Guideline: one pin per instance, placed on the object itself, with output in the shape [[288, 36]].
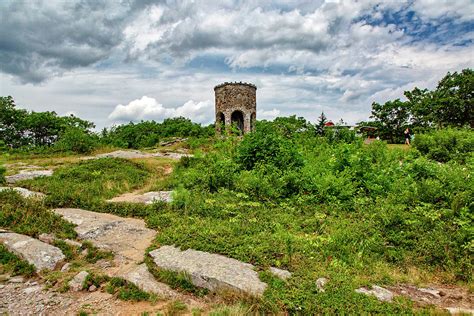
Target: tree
[[454, 103], [451, 104], [393, 116], [322, 120], [292, 125], [20, 128], [419, 102], [12, 123]]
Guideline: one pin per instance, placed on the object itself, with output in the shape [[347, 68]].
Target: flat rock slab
[[24, 192], [146, 198], [28, 174], [125, 154], [37, 253], [172, 155], [136, 154], [450, 297], [211, 271], [127, 238], [145, 281], [379, 292]]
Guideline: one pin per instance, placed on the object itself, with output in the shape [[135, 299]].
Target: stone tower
[[236, 103]]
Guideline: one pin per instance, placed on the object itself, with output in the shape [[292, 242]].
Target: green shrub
[[2, 174], [11, 264], [446, 144], [77, 140], [266, 146], [126, 291]]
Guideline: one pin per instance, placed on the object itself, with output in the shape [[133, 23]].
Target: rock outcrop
[[28, 174], [41, 255], [211, 271], [24, 192]]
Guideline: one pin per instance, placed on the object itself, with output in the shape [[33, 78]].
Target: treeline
[[21, 128], [24, 130], [449, 105]]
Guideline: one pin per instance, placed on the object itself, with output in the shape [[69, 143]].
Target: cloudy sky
[[116, 61]]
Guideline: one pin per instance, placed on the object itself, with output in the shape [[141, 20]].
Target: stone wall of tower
[[236, 96]]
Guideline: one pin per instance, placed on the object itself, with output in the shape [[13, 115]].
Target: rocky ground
[[30, 297]]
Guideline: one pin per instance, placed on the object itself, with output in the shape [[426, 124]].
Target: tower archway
[[237, 119]]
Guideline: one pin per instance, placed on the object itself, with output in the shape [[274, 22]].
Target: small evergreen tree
[[321, 124]]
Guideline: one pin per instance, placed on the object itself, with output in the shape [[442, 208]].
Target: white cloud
[[310, 56], [267, 115], [148, 108]]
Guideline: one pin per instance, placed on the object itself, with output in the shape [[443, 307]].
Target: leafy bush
[[77, 140], [413, 209], [340, 134], [2, 174], [266, 146], [148, 133], [447, 144], [21, 128]]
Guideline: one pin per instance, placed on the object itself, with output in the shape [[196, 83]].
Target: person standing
[[407, 136]]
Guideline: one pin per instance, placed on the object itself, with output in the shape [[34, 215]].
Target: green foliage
[[19, 128], [322, 120], [70, 252], [94, 254], [393, 116], [290, 126], [340, 134], [26, 216], [445, 145], [266, 146], [94, 279], [2, 174], [148, 133], [126, 291], [11, 264], [454, 100], [77, 140], [450, 104], [89, 182], [412, 209]]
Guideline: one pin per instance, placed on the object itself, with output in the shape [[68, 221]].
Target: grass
[[175, 280], [94, 254], [126, 291], [31, 217], [13, 265], [88, 183]]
